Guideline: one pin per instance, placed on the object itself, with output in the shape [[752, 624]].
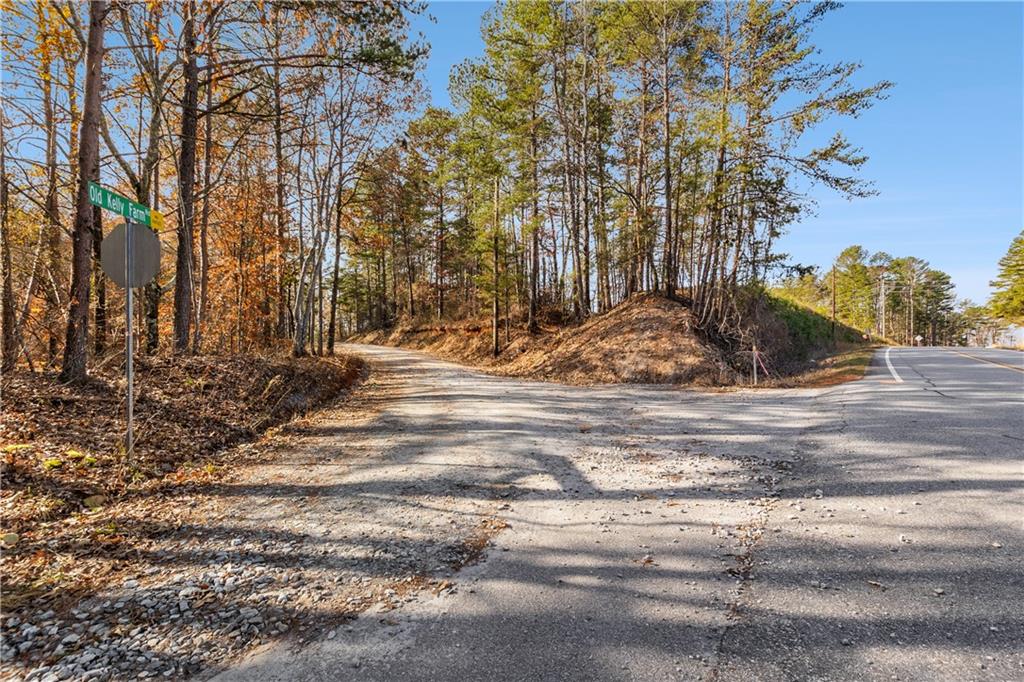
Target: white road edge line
[[892, 370]]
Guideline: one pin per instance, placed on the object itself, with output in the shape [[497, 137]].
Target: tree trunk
[[585, 164], [186, 186], [439, 258], [282, 303], [204, 223], [152, 292], [494, 318], [668, 265], [331, 328], [531, 322], [151, 310], [409, 273], [304, 296], [9, 334], [53, 260], [99, 280], [640, 225], [73, 368], [320, 308], [600, 223]]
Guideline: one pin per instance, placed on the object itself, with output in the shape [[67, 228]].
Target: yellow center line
[[991, 362]]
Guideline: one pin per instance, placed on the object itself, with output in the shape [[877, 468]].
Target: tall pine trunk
[[531, 322], [668, 260], [494, 242], [439, 261]]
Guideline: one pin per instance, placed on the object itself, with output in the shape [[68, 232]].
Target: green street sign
[[137, 213]]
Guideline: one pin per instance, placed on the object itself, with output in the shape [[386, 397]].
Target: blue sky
[[945, 149]]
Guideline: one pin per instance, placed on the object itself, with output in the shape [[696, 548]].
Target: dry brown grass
[[847, 364]]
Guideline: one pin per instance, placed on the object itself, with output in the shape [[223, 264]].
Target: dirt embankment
[[647, 339]]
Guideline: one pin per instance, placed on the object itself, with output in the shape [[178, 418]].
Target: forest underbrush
[[62, 455]]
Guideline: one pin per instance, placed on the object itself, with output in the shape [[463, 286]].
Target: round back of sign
[[145, 255]]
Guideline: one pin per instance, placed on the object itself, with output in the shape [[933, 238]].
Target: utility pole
[[911, 335], [883, 305], [833, 304]]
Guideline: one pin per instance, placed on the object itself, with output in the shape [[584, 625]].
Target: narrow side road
[[632, 515]]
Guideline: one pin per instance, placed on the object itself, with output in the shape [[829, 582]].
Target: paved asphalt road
[[869, 531], [910, 565]]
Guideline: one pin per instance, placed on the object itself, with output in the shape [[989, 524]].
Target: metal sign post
[[130, 255], [129, 346], [131, 264]]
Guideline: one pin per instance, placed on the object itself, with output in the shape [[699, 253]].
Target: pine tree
[[1007, 302]]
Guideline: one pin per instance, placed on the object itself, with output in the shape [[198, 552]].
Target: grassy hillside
[[810, 331]]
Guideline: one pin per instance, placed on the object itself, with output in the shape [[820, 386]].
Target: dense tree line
[[897, 298], [249, 125], [598, 150]]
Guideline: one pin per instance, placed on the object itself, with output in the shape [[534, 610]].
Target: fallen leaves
[[94, 501], [62, 453]]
